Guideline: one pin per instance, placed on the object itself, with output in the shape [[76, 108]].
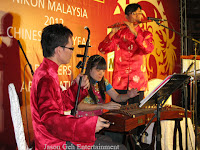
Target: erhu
[[81, 65]]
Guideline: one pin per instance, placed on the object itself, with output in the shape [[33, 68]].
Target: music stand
[[159, 96]]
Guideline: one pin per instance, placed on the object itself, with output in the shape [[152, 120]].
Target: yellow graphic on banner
[[100, 1], [110, 61]]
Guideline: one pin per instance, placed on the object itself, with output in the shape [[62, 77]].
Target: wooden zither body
[[128, 117]]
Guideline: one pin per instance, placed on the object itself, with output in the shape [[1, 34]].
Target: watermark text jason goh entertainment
[[79, 147]]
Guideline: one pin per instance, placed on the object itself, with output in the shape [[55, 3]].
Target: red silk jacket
[[130, 57], [51, 127]]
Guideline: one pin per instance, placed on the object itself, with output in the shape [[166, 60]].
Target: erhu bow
[[81, 65]]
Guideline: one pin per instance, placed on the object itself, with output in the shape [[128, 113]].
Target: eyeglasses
[[134, 13], [71, 48]]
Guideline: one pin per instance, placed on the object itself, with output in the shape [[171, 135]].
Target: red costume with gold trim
[[51, 127], [130, 57]]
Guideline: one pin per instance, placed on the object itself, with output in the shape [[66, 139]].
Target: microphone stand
[[156, 115], [81, 65], [195, 95], [25, 88], [185, 95], [195, 82], [25, 57]]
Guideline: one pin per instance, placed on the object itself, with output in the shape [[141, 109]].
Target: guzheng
[[129, 117]]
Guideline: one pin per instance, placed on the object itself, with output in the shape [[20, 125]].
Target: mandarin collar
[[137, 28], [51, 63]]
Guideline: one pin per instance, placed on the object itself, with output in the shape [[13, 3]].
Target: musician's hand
[[135, 105], [111, 106], [132, 93], [85, 83], [100, 124], [114, 30], [131, 26]]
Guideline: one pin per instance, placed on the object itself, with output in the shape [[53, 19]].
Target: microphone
[[155, 19]]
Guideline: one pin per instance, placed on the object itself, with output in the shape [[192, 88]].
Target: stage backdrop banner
[[24, 20]]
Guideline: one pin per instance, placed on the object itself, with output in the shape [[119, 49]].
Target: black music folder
[[162, 92]]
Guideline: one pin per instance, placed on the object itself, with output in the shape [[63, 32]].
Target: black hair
[[132, 8], [100, 63], [53, 36]]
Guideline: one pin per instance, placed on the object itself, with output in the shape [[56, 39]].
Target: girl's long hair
[[100, 63]]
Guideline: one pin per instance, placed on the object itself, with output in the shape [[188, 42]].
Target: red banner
[[24, 20]]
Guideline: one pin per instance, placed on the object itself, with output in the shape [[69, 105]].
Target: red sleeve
[[69, 95], [107, 45], [68, 128], [144, 41]]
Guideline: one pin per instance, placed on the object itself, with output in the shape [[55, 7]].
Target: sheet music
[[187, 62], [155, 90], [162, 92]]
